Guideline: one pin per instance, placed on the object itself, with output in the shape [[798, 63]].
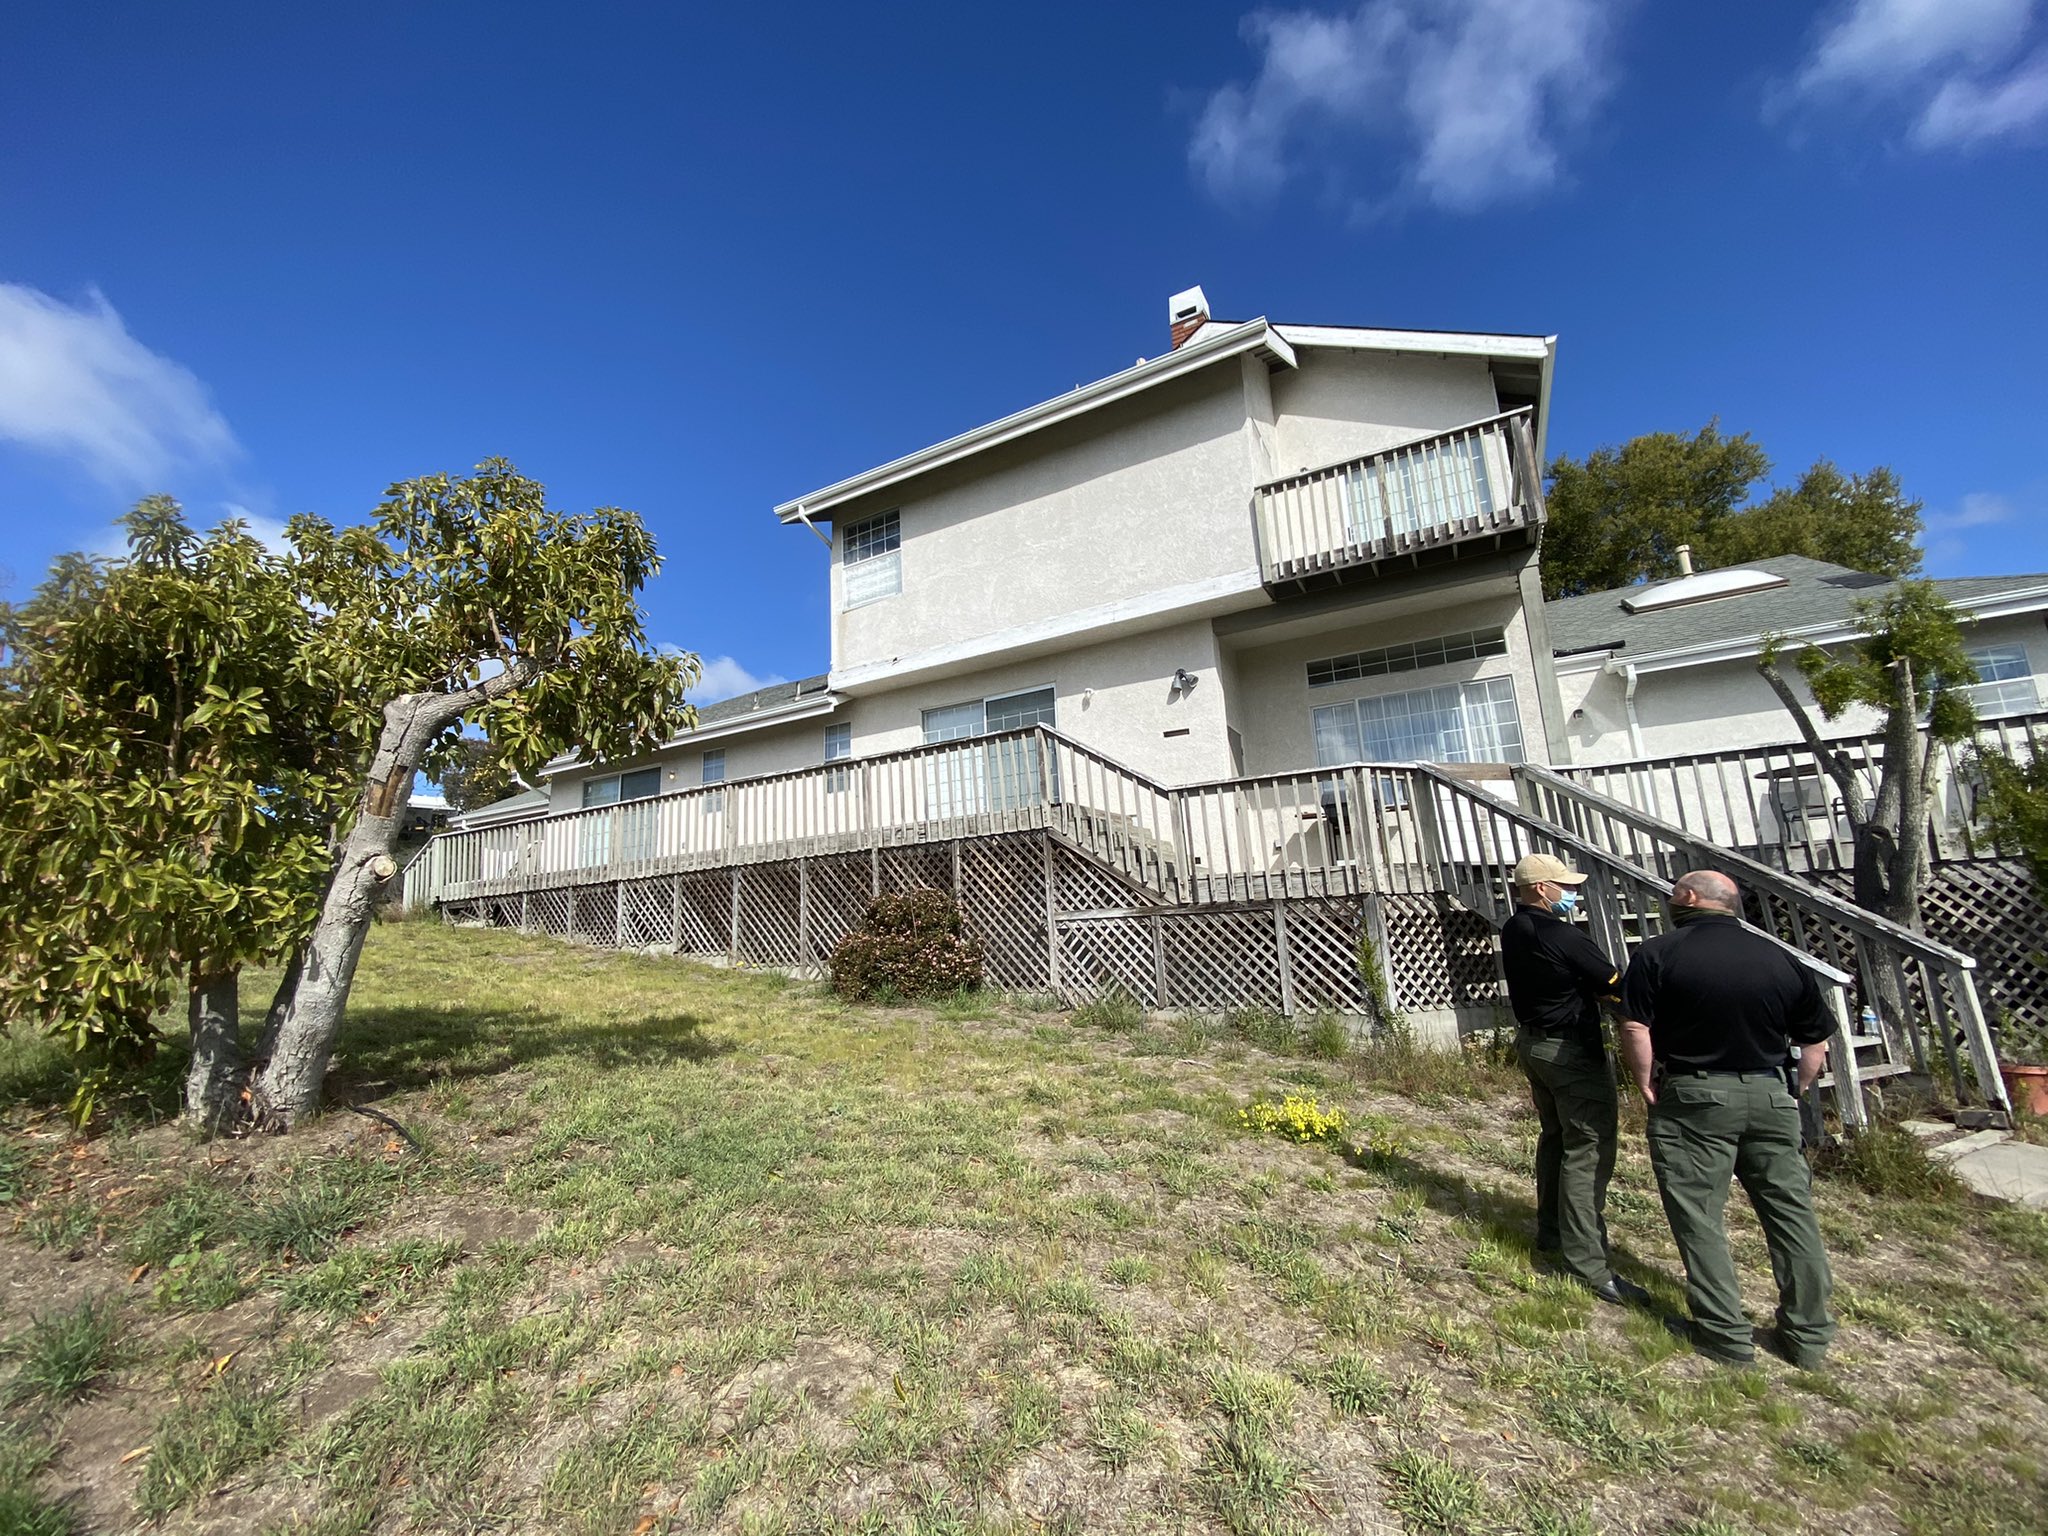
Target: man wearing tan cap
[[1557, 979]]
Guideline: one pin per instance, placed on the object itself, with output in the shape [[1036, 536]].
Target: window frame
[[1324, 717], [2015, 693], [982, 706], [617, 781], [886, 545], [838, 757], [1409, 656]]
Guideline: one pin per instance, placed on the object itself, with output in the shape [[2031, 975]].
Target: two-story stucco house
[[1271, 547]]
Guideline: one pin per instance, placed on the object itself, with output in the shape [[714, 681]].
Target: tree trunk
[[280, 1004], [213, 1081], [288, 1087]]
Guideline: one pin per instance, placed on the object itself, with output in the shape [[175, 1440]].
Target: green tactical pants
[[1573, 1085], [1705, 1130]]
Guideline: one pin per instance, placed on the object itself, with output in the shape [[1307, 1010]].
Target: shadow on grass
[[384, 1051], [381, 1051], [1508, 1219]]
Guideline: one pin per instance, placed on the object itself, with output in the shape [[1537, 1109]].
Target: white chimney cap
[[1188, 304]]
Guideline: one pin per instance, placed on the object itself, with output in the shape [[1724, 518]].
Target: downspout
[[805, 518], [1627, 672], [1628, 700]]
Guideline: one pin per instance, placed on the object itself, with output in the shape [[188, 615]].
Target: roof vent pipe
[[1685, 559]]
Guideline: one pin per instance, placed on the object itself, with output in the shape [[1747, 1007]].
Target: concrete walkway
[[1990, 1162]]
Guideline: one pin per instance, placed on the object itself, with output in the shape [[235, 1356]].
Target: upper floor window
[[1408, 657], [871, 560], [640, 784], [714, 773], [838, 748], [2005, 683], [1457, 723]]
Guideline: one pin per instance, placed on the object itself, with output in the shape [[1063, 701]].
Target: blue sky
[[695, 261]]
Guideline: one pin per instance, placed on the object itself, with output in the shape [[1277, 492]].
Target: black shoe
[[1774, 1340], [1618, 1292], [1722, 1354]]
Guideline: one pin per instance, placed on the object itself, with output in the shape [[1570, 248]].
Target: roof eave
[[1213, 344], [808, 707], [1991, 605]]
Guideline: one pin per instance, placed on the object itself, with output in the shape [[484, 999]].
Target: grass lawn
[[690, 1250]]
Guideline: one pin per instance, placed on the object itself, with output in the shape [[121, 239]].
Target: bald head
[[1706, 888]]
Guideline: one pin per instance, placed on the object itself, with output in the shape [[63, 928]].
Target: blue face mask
[[1566, 904]]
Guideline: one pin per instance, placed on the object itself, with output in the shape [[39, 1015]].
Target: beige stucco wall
[[1148, 497], [1273, 700], [1339, 404], [1115, 696], [1725, 705], [774, 749]]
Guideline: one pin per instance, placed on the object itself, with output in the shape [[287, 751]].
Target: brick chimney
[[1188, 311]]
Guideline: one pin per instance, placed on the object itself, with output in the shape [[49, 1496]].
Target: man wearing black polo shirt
[[1710, 1012], [1557, 978]]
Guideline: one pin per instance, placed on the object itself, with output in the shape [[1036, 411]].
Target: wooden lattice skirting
[[1990, 910], [1049, 917]]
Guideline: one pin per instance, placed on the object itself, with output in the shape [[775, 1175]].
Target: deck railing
[[1011, 781], [1354, 829], [1475, 481], [1775, 802]]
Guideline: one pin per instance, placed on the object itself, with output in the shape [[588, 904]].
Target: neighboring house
[[1669, 669], [1668, 711], [1273, 547]]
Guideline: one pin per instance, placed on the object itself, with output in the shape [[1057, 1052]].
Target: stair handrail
[[1754, 872], [1893, 941], [1621, 870], [1613, 863]]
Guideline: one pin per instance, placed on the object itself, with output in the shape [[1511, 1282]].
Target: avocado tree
[[464, 601], [169, 772]]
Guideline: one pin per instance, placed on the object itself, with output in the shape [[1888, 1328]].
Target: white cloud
[[1475, 95], [1978, 509], [73, 382], [1966, 111], [724, 678], [1952, 66], [1955, 542]]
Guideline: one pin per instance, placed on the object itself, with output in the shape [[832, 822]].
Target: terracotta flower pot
[[2027, 1087]]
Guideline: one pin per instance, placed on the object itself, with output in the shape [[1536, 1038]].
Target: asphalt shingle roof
[[1815, 592], [760, 698]]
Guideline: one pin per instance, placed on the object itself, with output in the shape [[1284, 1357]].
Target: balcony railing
[[1386, 829], [1479, 481]]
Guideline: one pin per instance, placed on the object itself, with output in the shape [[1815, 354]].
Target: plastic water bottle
[[1866, 1022]]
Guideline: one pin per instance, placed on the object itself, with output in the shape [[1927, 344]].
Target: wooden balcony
[[1453, 493]]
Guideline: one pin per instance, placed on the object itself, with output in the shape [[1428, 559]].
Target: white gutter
[[1995, 605], [1360, 338], [1206, 348]]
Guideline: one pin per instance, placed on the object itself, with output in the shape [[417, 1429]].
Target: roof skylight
[[1703, 588]]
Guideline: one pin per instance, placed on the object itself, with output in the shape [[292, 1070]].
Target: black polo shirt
[[1556, 975], [1719, 997]]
